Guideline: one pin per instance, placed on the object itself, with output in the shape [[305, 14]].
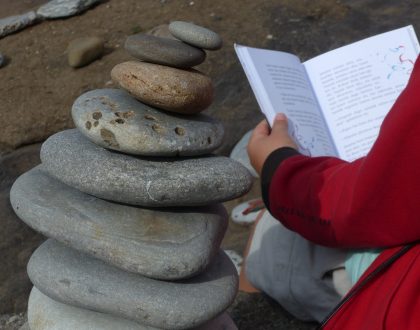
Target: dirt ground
[[37, 87]]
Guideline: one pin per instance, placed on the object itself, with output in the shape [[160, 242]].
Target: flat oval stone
[[171, 89], [77, 279], [113, 119], [150, 182], [196, 35], [165, 51], [45, 313], [163, 244], [59, 316]]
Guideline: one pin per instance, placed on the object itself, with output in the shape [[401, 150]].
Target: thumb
[[280, 124]]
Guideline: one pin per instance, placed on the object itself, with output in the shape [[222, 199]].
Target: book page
[[280, 84], [356, 86]]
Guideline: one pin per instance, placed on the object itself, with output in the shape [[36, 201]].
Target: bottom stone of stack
[[77, 279], [45, 313]]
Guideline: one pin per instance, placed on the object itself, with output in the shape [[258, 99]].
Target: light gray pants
[[308, 280]]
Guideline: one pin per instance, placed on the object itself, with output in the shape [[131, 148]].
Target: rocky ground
[[37, 89]]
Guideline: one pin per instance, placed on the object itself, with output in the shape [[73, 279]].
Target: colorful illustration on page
[[397, 61]]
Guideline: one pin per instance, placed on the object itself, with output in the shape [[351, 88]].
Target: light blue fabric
[[358, 261]]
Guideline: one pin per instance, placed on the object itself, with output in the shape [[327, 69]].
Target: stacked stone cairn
[[130, 200]]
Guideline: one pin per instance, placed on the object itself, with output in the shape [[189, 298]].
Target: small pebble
[[196, 35], [83, 51]]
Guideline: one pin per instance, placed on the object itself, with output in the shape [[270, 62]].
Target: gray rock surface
[[59, 316], [165, 51], [196, 35], [85, 50], [64, 8], [164, 244], [17, 240], [137, 128], [79, 280], [172, 89], [13, 24], [45, 313], [153, 182]]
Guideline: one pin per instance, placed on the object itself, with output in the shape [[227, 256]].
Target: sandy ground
[[37, 87]]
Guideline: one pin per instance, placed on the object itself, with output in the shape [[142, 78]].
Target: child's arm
[[371, 202]]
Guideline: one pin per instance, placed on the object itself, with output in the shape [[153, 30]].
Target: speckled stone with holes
[[114, 120]]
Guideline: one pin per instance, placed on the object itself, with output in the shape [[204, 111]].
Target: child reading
[[330, 210]]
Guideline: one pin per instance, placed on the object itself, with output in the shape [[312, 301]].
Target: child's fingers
[[262, 128], [280, 124]]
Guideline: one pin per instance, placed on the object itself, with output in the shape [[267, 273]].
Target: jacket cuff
[[270, 166]]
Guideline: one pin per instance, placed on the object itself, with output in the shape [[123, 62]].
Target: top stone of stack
[[163, 78], [195, 35]]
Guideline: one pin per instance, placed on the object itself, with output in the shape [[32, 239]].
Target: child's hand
[[263, 142]]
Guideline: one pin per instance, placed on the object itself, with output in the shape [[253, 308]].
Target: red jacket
[[373, 201]]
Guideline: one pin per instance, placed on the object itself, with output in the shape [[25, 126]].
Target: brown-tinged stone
[[171, 89], [83, 51]]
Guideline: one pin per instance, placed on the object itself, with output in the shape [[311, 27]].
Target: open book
[[335, 102]]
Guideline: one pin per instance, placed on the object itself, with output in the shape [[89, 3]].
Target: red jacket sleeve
[[371, 202]]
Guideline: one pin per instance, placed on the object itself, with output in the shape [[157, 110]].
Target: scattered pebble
[[269, 36], [13, 24], [83, 51], [64, 8]]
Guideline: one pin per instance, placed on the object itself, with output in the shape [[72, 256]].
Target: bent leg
[[293, 271]]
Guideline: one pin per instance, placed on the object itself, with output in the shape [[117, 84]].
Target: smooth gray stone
[[139, 129], [59, 316], [196, 35], [151, 182], [163, 51], [64, 8], [13, 24], [170, 244], [45, 313], [77, 279]]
